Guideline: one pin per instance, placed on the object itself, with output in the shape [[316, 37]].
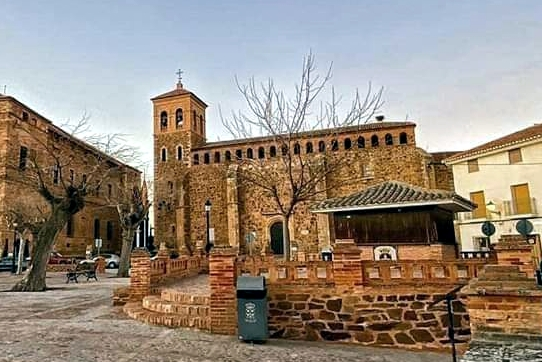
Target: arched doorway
[[277, 243]]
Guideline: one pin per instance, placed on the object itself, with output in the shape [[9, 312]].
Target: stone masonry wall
[[401, 318], [504, 303], [18, 187]]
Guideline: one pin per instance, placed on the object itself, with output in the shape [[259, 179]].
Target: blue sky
[[464, 71]]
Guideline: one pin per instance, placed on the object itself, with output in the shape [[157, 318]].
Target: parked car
[[7, 262], [111, 260], [57, 258]]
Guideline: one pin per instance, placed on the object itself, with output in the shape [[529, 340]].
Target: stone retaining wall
[[371, 317]]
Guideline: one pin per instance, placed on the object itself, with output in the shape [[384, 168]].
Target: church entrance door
[[277, 242]]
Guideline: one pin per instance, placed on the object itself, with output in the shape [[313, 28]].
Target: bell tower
[[179, 125]]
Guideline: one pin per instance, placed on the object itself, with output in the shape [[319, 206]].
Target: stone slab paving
[[76, 322]]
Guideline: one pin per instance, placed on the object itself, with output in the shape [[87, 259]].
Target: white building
[[504, 178]]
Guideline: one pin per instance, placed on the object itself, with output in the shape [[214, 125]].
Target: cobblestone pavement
[[76, 322], [506, 352]]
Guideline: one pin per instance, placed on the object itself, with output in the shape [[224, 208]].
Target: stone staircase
[[173, 307]]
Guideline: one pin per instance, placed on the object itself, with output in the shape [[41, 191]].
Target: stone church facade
[[23, 132], [189, 171]]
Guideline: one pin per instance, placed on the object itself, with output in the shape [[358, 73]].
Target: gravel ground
[[76, 322]]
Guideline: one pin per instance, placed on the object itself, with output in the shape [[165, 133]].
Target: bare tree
[[132, 207], [24, 219], [56, 151], [294, 178]]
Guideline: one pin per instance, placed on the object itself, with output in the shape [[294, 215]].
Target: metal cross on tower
[[179, 75]]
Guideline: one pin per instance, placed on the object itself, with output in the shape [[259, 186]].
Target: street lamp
[[208, 244], [13, 269]]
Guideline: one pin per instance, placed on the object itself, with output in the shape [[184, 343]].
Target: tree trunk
[[21, 255], [34, 281], [124, 263], [286, 236]]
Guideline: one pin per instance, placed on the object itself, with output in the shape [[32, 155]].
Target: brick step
[[177, 296], [137, 312], [156, 304]]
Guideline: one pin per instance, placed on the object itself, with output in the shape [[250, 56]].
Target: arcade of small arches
[[309, 147], [197, 121]]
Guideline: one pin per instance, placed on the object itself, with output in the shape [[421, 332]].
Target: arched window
[[239, 154], [163, 121], [403, 140], [321, 146], [109, 230], [228, 155], [284, 150], [334, 145], [196, 159], [206, 158], [96, 228], [194, 121], [261, 152], [217, 156], [179, 118], [374, 141], [163, 155], [361, 142], [69, 227], [179, 153], [201, 126], [388, 139], [347, 143], [272, 151], [297, 149], [308, 147], [249, 153]]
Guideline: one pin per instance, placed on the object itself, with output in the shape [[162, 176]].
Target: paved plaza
[[76, 322]]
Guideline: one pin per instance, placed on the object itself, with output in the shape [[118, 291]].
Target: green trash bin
[[252, 309]]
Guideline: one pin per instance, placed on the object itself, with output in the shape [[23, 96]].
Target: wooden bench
[[86, 269]]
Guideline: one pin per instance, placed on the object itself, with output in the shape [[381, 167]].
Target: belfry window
[[179, 153], [249, 153], [403, 140], [347, 143], [196, 159], [227, 155], [272, 151], [334, 145], [217, 156], [361, 142], [206, 158], [309, 147], [238, 154], [261, 152], [163, 121], [179, 118]]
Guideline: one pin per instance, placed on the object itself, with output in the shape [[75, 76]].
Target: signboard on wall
[[385, 253]]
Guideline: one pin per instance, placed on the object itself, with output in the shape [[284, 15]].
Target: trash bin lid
[[250, 283]]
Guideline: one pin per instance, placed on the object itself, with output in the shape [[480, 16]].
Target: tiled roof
[[366, 127], [525, 135], [438, 157], [179, 91], [392, 194]]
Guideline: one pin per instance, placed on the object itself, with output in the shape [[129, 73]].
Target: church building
[[190, 172]]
